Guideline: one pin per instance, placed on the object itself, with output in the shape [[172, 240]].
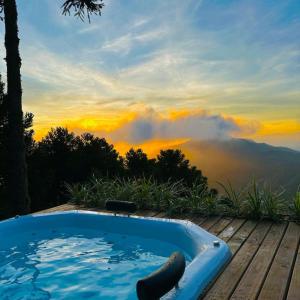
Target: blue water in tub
[[76, 263]]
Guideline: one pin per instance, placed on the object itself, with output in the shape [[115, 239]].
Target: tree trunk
[[17, 173]]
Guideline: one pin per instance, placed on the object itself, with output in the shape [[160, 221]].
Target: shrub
[[143, 192], [209, 205], [167, 194], [178, 205], [295, 208], [79, 193], [100, 191], [201, 200], [253, 205], [195, 195], [254, 201], [233, 201], [272, 202], [171, 197], [146, 193]]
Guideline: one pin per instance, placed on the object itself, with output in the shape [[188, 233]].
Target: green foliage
[[209, 205], [171, 197], [273, 204], [144, 192], [295, 208], [172, 165], [137, 164], [80, 193], [200, 200], [233, 201], [64, 157], [195, 194], [254, 201], [263, 202]]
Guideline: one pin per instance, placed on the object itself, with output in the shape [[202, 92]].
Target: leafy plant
[[273, 205], [233, 201], [100, 191], [79, 193], [296, 205], [254, 201], [178, 205], [144, 190], [146, 193], [201, 200], [209, 205]]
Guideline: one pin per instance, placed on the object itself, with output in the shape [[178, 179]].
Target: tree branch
[[82, 8]]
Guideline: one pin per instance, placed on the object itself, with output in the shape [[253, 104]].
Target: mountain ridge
[[239, 160]]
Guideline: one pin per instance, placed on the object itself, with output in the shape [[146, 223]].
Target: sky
[[163, 72]]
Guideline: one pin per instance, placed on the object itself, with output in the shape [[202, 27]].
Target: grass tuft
[[233, 201], [273, 204], [254, 201], [295, 208]]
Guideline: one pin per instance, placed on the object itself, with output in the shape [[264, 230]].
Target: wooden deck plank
[[294, 289], [183, 216], [231, 229], [187, 217], [209, 222], [220, 226], [162, 215], [63, 207], [241, 236], [198, 220], [225, 284], [275, 286], [238, 231], [251, 282], [146, 213]]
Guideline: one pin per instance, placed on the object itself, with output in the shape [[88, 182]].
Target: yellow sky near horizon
[[111, 126]]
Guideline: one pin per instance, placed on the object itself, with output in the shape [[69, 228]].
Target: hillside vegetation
[[239, 160], [254, 201]]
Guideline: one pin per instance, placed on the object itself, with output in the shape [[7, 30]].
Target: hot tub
[[89, 255]]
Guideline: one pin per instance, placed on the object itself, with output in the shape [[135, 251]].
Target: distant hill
[[238, 160]]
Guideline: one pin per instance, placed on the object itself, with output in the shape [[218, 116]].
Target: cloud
[[125, 43], [141, 22], [121, 44], [239, 58], [197, 126]]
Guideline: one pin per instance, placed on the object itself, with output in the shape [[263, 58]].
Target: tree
[[29, 145], [17, 175], [62, 157], [138, 164], [95, 155], [3, 142], [172, 165], [49, 167]]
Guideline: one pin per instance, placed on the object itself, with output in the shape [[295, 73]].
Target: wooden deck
[[265, 262]]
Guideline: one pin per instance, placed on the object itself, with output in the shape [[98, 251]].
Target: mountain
[[238, 160]]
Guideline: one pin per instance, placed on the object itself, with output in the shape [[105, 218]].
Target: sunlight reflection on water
[[68, 265]]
